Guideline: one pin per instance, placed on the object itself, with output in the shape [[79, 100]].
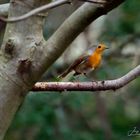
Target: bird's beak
[[106, 48]]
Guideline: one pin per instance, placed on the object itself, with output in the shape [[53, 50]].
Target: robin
[[86, 63]]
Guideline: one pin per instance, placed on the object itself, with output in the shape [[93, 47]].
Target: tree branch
[[88, 86], [95, 1], [49, 6], [36, 10]]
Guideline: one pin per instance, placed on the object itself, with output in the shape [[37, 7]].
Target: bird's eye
[[99, 47]]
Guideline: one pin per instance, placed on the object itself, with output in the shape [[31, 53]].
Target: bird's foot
[[102, 82]]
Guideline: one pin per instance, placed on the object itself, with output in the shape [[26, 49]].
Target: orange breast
[[95, 60]]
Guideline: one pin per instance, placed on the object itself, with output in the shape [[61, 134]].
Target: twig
[[37, 10], [95, 1], [88, 86], [46, 7]]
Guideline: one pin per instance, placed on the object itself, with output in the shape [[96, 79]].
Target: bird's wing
[[80, 60]]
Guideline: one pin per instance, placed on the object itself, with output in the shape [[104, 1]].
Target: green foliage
[[125, 21]]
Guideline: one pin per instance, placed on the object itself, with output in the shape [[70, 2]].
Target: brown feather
[[80, 60]]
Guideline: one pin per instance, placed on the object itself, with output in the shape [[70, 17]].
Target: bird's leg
[[85, 74], [76, 73], [75, 76]]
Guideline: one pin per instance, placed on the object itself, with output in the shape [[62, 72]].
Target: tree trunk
[[20, 42]]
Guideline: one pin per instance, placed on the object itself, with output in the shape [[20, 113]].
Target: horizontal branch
[[88, 86]]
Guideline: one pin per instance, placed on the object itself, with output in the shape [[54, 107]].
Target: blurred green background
[[87, 115]]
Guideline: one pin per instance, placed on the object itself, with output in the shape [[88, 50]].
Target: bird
[[86, 62]]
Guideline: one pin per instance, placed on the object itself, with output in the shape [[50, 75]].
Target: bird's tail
[[64, 74]]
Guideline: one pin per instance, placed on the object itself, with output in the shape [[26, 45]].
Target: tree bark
[[20, 41], [25, 55], [4, 9]]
